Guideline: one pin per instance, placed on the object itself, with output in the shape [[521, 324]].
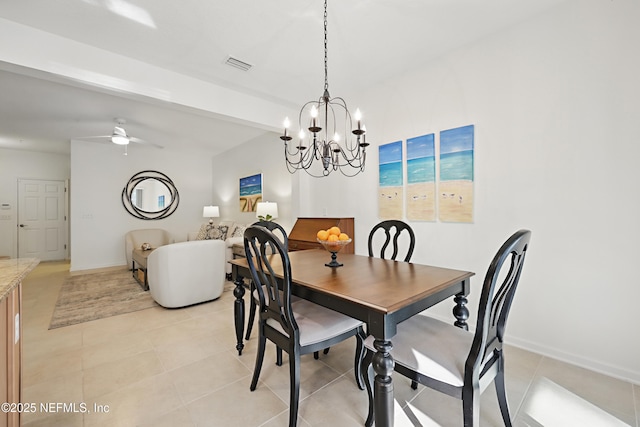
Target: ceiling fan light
[[119, 139]]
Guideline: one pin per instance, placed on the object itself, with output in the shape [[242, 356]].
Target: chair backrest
[[496, 299], [186, 273], [275, 303], [392, 229], [273, 227]]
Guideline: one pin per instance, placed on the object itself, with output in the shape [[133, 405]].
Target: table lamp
[[267, 211], [211, 212]]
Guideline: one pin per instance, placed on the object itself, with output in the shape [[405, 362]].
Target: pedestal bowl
[[334, 247]]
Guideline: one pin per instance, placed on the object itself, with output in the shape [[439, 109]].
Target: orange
[[343, 236], [323, 235], [333, 238], [334, 230]]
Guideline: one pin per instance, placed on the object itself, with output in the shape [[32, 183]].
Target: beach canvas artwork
[[250, 192], [421, 178], [390, 184], [455, 188]]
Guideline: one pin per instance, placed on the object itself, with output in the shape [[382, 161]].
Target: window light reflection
[[550, 405], [126, 10]]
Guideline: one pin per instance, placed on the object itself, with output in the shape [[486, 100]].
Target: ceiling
[[369, 41]]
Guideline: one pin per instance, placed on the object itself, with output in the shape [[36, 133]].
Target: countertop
[[12, 271]]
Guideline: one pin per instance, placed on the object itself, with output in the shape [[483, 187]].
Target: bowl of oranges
[[333, 240]]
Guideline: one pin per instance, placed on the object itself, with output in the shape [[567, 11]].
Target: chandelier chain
[[326, 78]]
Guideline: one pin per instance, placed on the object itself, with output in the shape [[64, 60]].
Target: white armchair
[[235, 234], [186, 273], [155, 236]]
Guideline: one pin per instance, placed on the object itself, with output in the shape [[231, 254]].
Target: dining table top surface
[[381, 285]]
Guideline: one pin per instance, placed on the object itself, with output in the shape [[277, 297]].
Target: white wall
[[99, 221], [262, 155], [16, 164], [555, 106]]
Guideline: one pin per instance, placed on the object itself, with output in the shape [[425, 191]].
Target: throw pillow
[[212, 232], [238, 231]]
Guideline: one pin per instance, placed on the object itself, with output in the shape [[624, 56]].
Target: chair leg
[[262, 341], [366, 371], [278, 356], [471, 406], [252, 311], [252, 317], [294, 387], [502, 393], [357, 367]]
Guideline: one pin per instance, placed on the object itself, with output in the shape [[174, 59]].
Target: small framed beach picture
[[250, 192], [421, 178], [455, 188], [390, 183]]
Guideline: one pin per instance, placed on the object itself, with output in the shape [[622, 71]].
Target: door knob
[[22, 225]]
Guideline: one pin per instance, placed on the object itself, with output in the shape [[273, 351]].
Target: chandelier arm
[[355, 161]]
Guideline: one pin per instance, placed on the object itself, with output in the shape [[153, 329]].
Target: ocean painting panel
[[390, 182], [421, 178], [456, 185], [250, 192]]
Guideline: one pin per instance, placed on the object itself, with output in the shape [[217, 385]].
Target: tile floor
[[161, 367]]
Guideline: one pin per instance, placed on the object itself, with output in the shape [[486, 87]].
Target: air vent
[[234, 62]]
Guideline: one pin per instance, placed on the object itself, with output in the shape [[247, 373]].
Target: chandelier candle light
[[328, 120]]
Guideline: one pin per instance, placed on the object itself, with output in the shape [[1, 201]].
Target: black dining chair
[[273, 227], [299, 327], [454, 361], [393, 229]]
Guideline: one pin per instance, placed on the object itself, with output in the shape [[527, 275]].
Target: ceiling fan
[[119, 136]]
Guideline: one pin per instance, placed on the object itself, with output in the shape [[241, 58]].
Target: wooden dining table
[[382, 293]]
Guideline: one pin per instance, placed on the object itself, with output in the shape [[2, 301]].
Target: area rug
[[93, 296]]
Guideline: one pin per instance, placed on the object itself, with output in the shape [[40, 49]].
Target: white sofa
[[234, 235], [135, 238], [186, 273]]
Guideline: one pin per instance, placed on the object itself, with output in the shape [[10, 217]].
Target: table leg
[[383, 365], [461, 312], [238, 311]]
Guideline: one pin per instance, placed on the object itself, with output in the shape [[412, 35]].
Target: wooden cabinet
[[12, 271], [10, 352], [303, 233]]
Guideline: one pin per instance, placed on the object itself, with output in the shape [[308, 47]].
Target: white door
[[42, 224]]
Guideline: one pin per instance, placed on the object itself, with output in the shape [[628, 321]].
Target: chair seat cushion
[[317, 323], [431, 347], [256, 296]]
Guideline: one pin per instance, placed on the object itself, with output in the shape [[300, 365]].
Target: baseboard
[[100, 269], [574, 359]]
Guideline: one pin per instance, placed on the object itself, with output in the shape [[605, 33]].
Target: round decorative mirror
[[150, 195]]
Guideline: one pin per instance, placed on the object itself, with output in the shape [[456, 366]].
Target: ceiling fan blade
[[94, 136], [142, 141]]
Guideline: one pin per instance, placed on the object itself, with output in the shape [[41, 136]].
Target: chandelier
[[319, 150]]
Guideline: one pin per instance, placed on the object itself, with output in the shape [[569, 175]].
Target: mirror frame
[[135, 211]]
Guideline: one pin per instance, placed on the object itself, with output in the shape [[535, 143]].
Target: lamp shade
[[267, 210], [211, 212]]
